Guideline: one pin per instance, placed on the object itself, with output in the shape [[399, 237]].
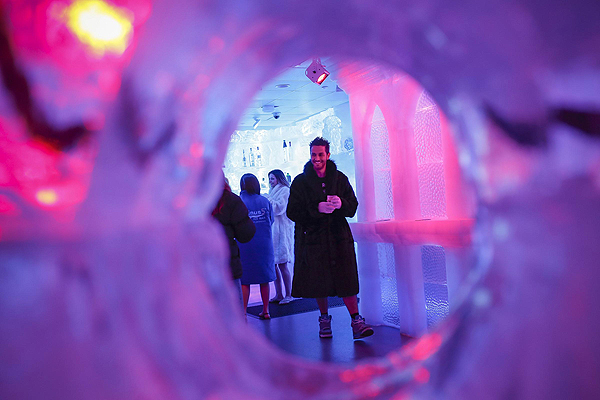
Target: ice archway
[[107, 288]]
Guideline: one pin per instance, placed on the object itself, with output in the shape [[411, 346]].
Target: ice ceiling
[[114, 121]]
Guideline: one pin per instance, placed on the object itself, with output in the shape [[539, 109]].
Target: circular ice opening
[[414, 229]]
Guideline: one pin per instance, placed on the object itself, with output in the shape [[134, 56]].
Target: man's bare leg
[[323, 305], [351, 303]]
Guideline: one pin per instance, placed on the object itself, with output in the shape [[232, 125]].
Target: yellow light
[[322, 78], [99, 25], [46, 196]]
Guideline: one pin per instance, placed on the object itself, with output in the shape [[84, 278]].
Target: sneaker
[[325, 327], [275, 299], [360, 329], [286, 300]]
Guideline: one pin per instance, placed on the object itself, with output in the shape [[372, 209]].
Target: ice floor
[[298, 335]]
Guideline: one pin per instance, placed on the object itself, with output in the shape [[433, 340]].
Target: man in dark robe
[[321, 198]]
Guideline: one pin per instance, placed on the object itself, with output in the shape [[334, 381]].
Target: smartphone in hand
[[335, 201]]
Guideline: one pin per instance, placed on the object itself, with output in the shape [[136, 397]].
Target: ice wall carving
[[109, 297], [436, 285], [389, 283], [430, 158], [380, 145]]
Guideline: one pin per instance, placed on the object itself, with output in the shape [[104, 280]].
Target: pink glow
[[196, 150], [8, 207], [216, 44], [422, 375], [46, 197], [447, 233], [427, 346]]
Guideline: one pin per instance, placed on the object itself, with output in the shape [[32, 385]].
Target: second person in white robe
[[283, 236]]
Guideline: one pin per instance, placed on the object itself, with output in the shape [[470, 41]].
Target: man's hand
[[335, 201], [326, 207]]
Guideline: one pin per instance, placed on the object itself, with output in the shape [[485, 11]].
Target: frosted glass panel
[[380, 146], [436, 303], [389, 294], [384, 203], [433, 260], [432, 190], [428, 138], [430, 158], [434, 264]]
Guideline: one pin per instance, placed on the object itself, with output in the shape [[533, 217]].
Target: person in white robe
[[283, 236]]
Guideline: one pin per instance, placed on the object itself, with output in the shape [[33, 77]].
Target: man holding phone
[[321, 198]]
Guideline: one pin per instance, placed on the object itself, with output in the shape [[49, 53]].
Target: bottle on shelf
[[263, 185], [290, 151], [244, 158], [285, 152], [251, 158], [258, 157], [288, 176]]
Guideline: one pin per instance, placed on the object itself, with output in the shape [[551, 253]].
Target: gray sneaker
[[325, 327], [360, 329]]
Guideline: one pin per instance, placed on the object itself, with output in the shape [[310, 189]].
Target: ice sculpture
[[110, 163]]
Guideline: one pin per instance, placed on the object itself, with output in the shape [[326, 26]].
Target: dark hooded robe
[[325, 261], [232, 213]]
